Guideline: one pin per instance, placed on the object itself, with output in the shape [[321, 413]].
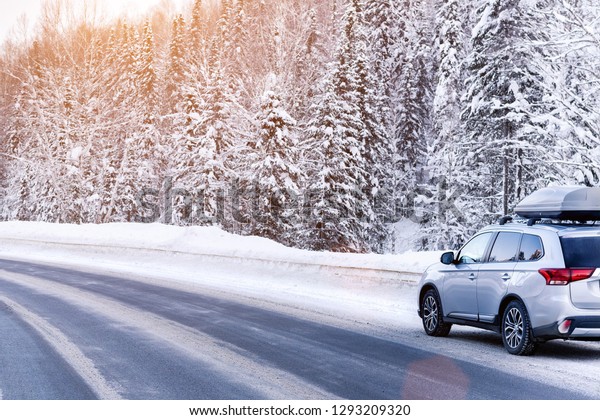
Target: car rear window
[[581, 251]]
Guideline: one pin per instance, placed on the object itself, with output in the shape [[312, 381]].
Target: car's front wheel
[[431, 310], [516, 330]]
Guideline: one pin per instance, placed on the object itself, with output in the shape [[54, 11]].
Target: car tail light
[[563, 276]]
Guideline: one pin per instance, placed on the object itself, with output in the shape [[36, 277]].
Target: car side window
[[474, 251], [531, 249], [505, 247]]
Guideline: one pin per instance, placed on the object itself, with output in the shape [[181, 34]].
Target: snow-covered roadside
[[210, 241], [209, 257]]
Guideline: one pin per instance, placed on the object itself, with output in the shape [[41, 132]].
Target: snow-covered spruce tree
[[200, 172], [446, 227], [129, 159], [204, 149], [198, 31], [504, 94], [146, 154], [569, 68], [238, 52], [146, 74], [375, 137], [126, 55], [120, 77], [296, 52], [276, 177], [340, 213], [387, 27], [177, 64], [224, 39], [448, 52], [238, 26], [411, 100]]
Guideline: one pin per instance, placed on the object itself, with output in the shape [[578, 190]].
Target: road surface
[[71, 334]]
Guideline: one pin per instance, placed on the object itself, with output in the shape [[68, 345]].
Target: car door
[[459, 295], [494, 275]]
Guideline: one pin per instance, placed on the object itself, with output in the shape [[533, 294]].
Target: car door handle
[[506, 277], [472, 276]]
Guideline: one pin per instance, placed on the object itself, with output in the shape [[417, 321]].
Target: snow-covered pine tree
[[145, 154], [296, 55], [276, 177], [374, 136], [386, 30], [448, 52], [128, 56], [340, 213], [223, 36], [200, 170], [198, 31], [146, 74], [204, 149], [236, 51], [569, 68], [411, 100], [504, 94], [238, 28], [446, 225], [177, 64], [129, 157]]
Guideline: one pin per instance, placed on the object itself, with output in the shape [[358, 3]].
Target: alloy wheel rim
[[430, 313], [513, 328]]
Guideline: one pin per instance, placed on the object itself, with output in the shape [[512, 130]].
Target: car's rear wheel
[[516, 330], [431, 310]]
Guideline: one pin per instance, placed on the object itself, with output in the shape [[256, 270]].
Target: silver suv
[[531, 281]]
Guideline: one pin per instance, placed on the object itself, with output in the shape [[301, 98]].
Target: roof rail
[[504, 220]]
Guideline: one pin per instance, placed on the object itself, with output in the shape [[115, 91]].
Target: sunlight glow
[[17, 16], [134, 7]]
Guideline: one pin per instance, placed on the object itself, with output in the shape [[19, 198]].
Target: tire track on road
[[83, 366], [272, 382]]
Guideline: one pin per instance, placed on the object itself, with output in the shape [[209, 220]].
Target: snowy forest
[[320, 124]]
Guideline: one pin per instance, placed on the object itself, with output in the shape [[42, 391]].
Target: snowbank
[[206, 241], [207, 257]]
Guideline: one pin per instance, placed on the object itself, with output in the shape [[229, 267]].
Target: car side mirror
[[447, 258]]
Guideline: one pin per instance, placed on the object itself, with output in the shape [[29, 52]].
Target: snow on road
[[214, 353], [69, 352]]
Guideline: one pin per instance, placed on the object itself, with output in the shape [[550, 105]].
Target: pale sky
[[11, 10]]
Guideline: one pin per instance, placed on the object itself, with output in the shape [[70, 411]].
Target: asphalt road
[[70, 334]]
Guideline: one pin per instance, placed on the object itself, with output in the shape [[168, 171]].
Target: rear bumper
[[585, 328]]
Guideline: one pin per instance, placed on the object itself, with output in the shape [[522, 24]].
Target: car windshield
[[581, 251]]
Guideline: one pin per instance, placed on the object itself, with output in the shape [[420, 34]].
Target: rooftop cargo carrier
[[579, 204]]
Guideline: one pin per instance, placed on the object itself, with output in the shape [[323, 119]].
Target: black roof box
[[562, 203]]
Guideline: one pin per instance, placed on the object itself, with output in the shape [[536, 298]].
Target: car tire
[[431, 311], [516, 330]]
